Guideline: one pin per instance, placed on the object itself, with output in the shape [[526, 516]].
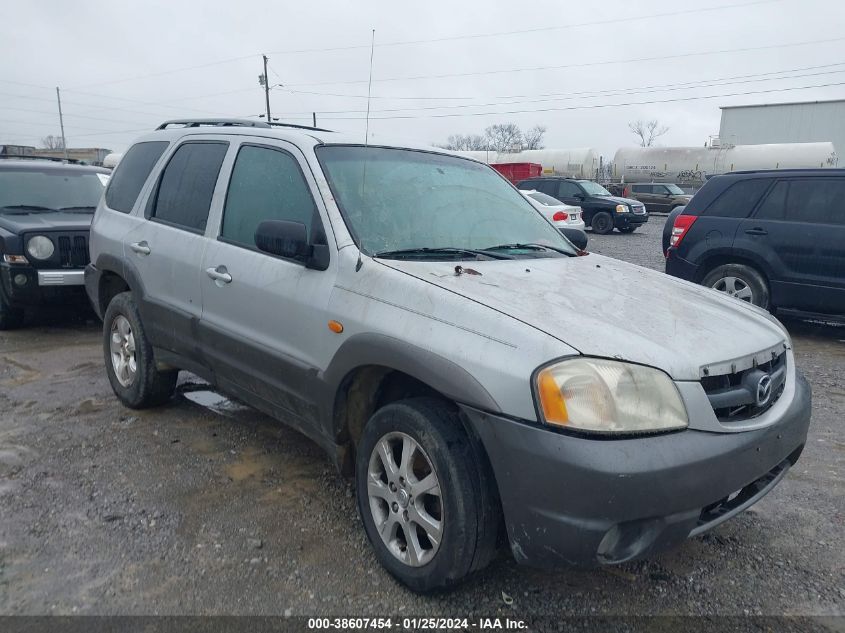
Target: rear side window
[[738, 200], [187, 185], [568, 190], [131, 173], [774, 206], [527, 185], [266, 184], [816, 200]]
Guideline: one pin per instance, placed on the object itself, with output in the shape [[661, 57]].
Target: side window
[[549, 187], [774, 206], [266, 184], [187, 184], [817, 200], [660, 190], [527, 185], [131, 173], [738, 200], [640, 188], [568, 190]]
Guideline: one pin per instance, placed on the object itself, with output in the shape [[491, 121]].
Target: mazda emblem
[[764, 390]]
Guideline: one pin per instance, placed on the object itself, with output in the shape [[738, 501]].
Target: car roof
[[47, 165], [299, 135]]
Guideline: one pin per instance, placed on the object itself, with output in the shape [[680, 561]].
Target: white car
[[562, 215]]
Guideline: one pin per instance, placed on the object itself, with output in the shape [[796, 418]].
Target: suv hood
[[604, 307], [45, 221]]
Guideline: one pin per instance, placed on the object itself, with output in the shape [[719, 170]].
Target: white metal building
[[800, 122]]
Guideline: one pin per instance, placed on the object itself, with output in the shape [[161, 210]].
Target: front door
[[265, 323]]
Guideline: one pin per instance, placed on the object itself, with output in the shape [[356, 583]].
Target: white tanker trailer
[[571, 163], [691, 166]]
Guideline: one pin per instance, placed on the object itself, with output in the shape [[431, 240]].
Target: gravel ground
[[190, 509]]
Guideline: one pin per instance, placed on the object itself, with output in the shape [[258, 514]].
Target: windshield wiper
[[27, 208], [409, 252], [82, 208], [528, 247]]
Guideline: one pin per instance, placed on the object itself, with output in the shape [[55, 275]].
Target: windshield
[[593, 188], [397, 199], [50, 189], [675, 190], [542, 198]]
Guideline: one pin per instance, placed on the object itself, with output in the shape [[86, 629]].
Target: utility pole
[[61, 121], [266, 89], [314, 118]]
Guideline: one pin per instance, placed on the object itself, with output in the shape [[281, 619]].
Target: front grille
[[640, 210], [73, 251], [736, 397]]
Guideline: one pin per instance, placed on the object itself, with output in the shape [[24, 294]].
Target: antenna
[[369, 89], [360, 261]]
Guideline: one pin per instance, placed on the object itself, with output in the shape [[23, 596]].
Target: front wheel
[[425, 495], [602, 223], [130, 363], [741, 282]]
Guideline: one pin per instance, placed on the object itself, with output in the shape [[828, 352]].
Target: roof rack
[[234, 123], [55, 159]]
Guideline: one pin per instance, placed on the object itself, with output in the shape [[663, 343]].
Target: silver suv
[[414, 315]]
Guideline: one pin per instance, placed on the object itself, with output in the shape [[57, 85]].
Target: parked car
[[659, 197], [415, 316], [45, 213], [773, 238], [601, 210], [560, 214]]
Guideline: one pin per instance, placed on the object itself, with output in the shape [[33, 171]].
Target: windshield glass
[[49, 188], [594, 188], [675, 189], [394, 199], [542, 198]]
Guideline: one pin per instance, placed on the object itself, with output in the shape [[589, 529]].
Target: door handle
[[757, 231], [220, 275], [142, 248]]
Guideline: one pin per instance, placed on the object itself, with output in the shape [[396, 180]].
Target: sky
[[583, 70]]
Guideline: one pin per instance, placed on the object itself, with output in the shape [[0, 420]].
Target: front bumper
[[574, 500], [622, 220], [24, 286]]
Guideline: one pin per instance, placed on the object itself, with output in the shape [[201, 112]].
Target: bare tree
[[52, 142], [504, 137], [533, 138], [647, 131], [465, 142]]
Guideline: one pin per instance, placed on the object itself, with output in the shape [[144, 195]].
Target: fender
[[439, 373]]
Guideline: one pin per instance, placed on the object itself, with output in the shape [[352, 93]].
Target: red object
[[518, 171], [560, 216], [680, 228]]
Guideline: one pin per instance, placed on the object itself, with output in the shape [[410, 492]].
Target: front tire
[[741, 282], [10, 318], [602, 223], [130, 363], [425, 494]]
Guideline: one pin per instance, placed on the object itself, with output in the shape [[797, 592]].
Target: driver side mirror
[[290, 240], [578, 237]]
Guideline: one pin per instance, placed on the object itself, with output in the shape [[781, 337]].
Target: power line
[[581, 65]]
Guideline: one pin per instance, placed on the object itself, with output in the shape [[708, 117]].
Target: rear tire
[[455, 532], [602, 223], [130, 363], [10, 318], [739, 281]]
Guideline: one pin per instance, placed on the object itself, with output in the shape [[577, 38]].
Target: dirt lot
[[191, 509]]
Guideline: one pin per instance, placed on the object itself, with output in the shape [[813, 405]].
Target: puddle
[[215, 402]]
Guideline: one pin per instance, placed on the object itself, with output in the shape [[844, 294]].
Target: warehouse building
[[801, 122]]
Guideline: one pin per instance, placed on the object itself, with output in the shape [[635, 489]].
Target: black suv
[[45, 215], [773, 238], [601, 210]]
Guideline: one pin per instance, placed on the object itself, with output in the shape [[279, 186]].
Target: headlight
[[607, 396], [40, 247], [621, 208]]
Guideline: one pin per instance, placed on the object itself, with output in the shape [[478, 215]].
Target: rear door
[[801, 226], [167, 245], [644, 194], [264, 322]]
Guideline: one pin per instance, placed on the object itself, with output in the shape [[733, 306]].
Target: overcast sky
[[439, 67]]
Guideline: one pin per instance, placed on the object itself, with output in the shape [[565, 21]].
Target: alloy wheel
[[405, 499], [122, 348], [735, 287]]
